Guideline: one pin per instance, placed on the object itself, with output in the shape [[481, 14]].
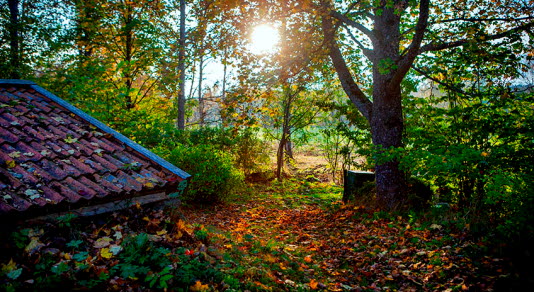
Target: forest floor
[[291, 236]]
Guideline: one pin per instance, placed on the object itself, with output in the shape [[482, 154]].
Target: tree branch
[[367, 52], [483, 19], [355, 94], [407, 60], [459, 43], [354, 24], [448, 86]]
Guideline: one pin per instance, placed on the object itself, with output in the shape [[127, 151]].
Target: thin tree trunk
[[201, 112], [223, 94], [280, 157], [180, 119], [128, 56], [286, 132], [289, 149], [14, 39]]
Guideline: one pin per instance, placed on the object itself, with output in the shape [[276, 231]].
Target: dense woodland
[[436, 97]]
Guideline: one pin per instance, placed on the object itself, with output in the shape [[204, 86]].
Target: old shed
[[56, 158]]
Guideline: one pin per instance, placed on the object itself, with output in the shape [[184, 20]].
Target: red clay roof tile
[[52, 153]]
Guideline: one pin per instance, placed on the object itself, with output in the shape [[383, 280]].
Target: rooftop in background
[[54, 157]]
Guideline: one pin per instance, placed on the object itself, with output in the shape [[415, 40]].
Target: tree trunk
[[14, 39], [386, 131], [387, 120], [286, 133], [201, 101], [384, 113], [223, 93], [280, 157], [289, 148], [128, 55], [180, 119]]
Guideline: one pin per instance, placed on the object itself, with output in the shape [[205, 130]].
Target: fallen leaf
[[14, 154], [70, 140], [106, 253], [10, 164], [34, 245], [117, 235], [313, 284], [308, 259], [199, 287], [6, 268], [115, 249], [103, 242], [32, 194]]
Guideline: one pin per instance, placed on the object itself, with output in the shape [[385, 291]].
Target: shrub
[[476, 155], [214, 176]]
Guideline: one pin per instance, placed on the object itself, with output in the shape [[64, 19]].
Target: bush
[[477, 155], [214, 176]]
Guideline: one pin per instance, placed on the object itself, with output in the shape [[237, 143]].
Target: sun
[[264, 39]]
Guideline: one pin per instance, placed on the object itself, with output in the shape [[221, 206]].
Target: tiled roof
[[55, 157]]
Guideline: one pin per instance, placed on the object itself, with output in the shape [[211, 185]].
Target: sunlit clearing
[[264, 39]]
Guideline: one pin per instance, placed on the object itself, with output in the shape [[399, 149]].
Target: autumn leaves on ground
[[289, 236]]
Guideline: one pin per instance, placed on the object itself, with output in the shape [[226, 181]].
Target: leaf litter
[[281, 238]]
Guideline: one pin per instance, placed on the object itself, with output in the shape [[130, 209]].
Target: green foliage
[[476, 154], [214, 176], [345, 136]]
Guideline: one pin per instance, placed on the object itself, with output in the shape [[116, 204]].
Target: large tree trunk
[[180, 119], [384, 113], [387, 120], [386, 130]]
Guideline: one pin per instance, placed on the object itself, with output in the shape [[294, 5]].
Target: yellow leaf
[[10, 164], [105, 253], [161, 232], [199, 287], [269, 258], [9, 267]]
